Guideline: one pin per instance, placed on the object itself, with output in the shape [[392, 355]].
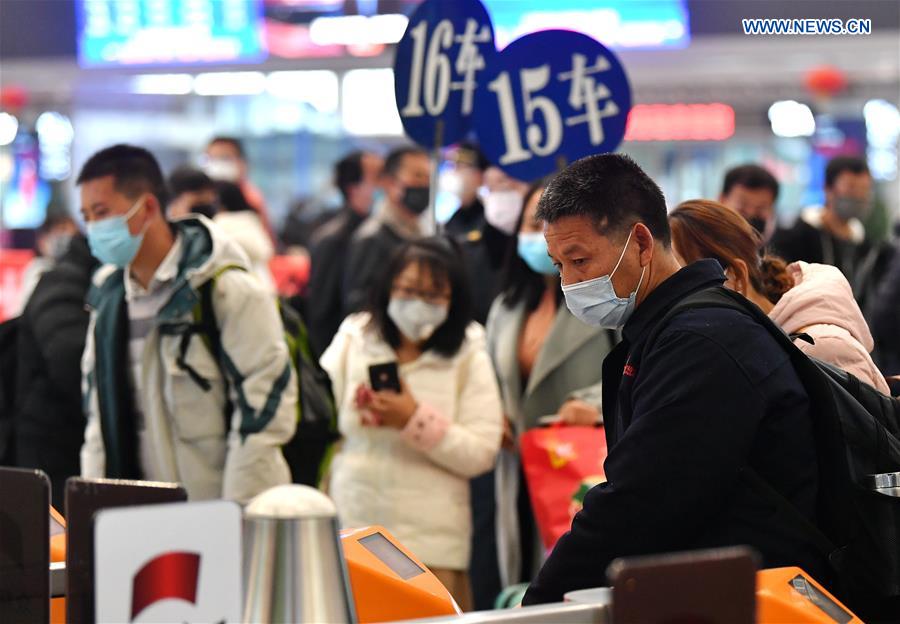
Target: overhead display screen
[[619, 24], [161, 32]]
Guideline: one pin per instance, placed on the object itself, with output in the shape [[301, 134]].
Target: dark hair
[[839, 164], [134, 171], [189, 180], [348, 171], [610, 189], [394, 160], [518, 282], [52, 222], [472, 155], [707, 229], [231, 197], [442, 258], [752, 177], [234, 142]]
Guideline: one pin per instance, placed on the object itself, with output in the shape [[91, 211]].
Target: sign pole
[[435, 171]]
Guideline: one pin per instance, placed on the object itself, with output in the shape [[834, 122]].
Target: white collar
[[165, 273]]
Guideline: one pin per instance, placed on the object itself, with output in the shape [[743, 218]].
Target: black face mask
[[759, 224], [415, 198]]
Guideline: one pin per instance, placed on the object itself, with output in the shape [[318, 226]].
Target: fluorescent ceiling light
[[9, 127], [230, 83], [162, 84], [318, 88], [355, 30], [791, 119], [368, 106]]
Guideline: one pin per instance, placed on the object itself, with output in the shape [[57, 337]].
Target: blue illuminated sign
[[160, 32]]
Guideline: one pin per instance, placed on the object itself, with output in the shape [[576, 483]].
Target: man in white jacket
[[171, 396]]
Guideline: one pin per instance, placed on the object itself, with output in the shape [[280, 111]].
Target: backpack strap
[[720, 297], [206, 326]]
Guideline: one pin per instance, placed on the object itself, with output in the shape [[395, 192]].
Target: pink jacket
[[821, 304]]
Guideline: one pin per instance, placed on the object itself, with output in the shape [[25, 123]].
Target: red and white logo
[[170, 575]]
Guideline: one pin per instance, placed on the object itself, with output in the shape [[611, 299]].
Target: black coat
[[329, 249], [49, 422], [713, 394], [884, 314], [483, 248]]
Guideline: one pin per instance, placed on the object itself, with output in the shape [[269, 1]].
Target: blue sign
[[440, 62], [151, 32], [551, 98]]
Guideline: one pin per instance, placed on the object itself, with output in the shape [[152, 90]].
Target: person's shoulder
[[368, 229]]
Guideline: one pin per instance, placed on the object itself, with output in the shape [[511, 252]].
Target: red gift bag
[[561, 464]]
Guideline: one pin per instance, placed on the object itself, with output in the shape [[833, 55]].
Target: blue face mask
[[110, 240], [532, 248], [595, 302]]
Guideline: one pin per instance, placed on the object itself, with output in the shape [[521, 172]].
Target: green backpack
[[309, 452]]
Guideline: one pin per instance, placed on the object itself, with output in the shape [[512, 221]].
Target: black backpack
[[9, 335], [857, 432], [309, 452]]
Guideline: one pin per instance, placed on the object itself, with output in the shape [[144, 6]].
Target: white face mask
[[416, 319], [502, 210], [224, 169], [595, 302]]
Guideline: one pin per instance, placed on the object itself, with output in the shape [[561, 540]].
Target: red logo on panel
[[170, 575]]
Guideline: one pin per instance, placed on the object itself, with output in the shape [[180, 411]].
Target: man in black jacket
[[712, 394], [49, 421], [483, 246], [356, 176], [407, 172]]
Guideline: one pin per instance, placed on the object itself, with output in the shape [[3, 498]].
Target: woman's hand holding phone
[[385, 408], [394, 409]]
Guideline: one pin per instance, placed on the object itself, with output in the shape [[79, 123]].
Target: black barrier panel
[[84, 498], [716, 586], [24, 545]]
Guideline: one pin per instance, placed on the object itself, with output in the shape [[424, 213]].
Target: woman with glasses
[[408, 455]]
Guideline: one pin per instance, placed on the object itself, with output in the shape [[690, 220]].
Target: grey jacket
[[568, 366]]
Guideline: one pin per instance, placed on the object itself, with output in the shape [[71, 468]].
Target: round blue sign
[[552, 97], [440, 62]]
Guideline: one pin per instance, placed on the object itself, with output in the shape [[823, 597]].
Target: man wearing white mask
[[226, 161], [483, 245], [688, 405], [164, 400]]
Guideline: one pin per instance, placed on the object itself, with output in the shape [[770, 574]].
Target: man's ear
[[646, 243]]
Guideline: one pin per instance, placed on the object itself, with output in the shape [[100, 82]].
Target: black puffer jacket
[[49, 422]]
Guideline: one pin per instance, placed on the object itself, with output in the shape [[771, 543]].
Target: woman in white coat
[[407, 456]]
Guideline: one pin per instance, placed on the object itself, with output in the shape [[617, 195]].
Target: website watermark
[[786, 26]]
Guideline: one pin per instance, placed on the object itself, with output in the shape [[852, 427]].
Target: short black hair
[[470, 154], [234, 142], [752, 177], [52, 222], [839, 164], [231, 197], [442, 257], [348, 171], [518, 283], [189, 180], [134, 171], [610, 189], [394, 160]]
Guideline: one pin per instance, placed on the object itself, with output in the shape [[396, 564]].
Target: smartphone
[[384, 377]]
